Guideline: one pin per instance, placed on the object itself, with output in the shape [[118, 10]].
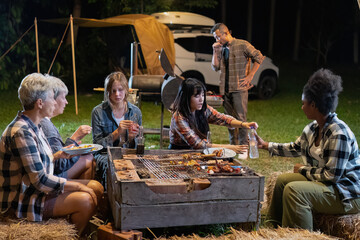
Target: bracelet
[[241, 125]]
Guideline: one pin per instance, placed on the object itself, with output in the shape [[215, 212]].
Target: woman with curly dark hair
[[329, 180], [191, 118]]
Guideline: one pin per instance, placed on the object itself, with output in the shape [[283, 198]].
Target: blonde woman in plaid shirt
[[191, 118], [329, 180], [28, 188]]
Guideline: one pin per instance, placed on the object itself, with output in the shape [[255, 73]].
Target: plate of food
[[82, 149], [220, 152]]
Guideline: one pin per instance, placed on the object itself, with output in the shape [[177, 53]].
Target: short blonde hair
[[33, 87], [109, 81], [58, 85]]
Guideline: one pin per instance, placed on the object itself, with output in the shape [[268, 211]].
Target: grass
[[280, 119]]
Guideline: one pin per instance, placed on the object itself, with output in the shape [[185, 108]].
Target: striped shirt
[[181, 133], [25, 177], [340, 153], [241, 54]]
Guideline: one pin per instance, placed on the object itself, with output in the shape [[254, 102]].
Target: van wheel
[[266, 87]]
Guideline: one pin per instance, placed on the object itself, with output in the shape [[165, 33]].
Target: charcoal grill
[[178, 195], [162, 172]]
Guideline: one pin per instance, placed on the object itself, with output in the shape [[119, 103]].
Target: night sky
[[334, 19]]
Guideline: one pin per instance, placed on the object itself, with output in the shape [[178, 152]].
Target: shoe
[[243, 155]]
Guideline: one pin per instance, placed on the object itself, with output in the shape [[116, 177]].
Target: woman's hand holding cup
[[132, 127], [124, 124], [134, 130]]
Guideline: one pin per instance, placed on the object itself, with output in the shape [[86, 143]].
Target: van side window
[[187, 43], [204, 44]]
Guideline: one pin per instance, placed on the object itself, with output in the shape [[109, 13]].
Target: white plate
[[84, 149], [227, 153], [96, 147]]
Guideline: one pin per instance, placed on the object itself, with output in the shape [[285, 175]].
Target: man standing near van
[[233, 57]]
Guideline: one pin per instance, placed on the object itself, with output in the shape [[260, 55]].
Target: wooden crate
[[228, 199]]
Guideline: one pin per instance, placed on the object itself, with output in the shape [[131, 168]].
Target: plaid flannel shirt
[[24, 170], [241, 53], [340, 152], [182, 135]]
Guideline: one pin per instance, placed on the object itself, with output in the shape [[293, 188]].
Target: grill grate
[[164, 172]]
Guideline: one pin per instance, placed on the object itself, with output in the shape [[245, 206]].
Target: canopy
[[152, 35]]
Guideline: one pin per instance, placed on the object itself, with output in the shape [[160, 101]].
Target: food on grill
[[208, 156], [191, 162], [215, 169], [224, 167], [189, 156], [212, 162], [227, 168], [178, 166]]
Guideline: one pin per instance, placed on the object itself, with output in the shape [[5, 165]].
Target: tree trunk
[[297, 32], [76, 14], [249, 20], [271, 27]]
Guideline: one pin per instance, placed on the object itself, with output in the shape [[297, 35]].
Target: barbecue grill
[[162, 189]]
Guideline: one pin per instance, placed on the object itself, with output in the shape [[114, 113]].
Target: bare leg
[[83, 169], [94, 185], [79, 205]]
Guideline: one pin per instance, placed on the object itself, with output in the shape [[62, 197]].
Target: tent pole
[[37, 46], [73, 60]]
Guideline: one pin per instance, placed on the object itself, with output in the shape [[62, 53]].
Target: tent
[[152, 35]]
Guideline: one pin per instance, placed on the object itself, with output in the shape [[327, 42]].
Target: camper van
[[193, 53]]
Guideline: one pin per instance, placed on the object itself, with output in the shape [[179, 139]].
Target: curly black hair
[[323, 88]]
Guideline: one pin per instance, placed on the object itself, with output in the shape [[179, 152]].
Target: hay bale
[[261, 234], [269, 188], [343, 226], [58, 229]]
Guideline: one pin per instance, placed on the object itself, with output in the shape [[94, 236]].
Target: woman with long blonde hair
[[116, 121]]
